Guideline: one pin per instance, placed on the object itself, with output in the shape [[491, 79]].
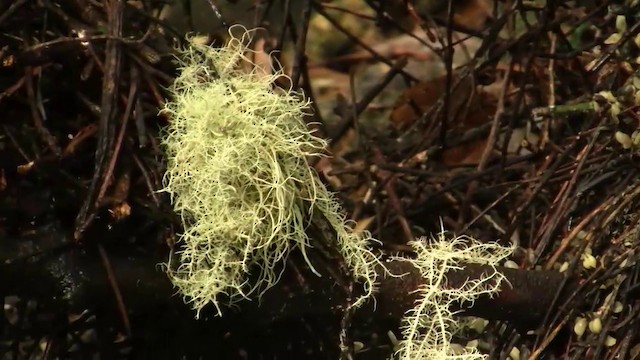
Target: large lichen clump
[[238, 176]]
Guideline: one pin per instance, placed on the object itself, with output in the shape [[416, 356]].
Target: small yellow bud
[[511, 264], [456, 349], [589, 261], [580, 326], [392, 338], [623, 139], [615, 110], [592, 63], [608, 95], [613, 38], [635, 138], [357, 346], [478, 325], [564, 267], [595, 325], [621, 23], [514, 354], [610, 341], [617, 307], [472, 344]]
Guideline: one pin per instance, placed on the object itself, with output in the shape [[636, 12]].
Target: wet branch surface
[[74, 278]]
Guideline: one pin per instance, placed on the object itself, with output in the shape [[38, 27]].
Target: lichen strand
[[429, 326], [237, 175]]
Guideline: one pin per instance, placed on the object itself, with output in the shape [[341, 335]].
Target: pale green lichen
[[237, 174], [429, 326]]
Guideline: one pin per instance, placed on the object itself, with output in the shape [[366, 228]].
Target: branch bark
[[50, 266]]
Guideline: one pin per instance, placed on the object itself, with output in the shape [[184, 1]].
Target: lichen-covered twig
[[523, 303], [238, 177]]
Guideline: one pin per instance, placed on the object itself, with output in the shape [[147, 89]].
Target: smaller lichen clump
[[429, 326], [238, 176]]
